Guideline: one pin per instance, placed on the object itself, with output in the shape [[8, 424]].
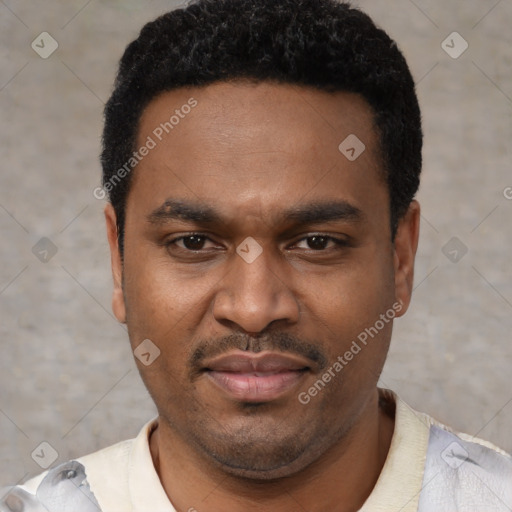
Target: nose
[[253, 295]]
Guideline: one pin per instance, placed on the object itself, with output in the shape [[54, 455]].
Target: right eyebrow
[[174, 209]]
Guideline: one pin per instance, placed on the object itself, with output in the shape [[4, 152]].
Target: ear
[[118, 305], [405, 245]]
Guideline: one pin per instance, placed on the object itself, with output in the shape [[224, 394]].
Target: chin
[[250, 471], [265, 457]]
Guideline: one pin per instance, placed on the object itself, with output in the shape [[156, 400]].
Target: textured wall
[[66, 372]]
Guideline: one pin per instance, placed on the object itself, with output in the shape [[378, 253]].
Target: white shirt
[[429, 468]]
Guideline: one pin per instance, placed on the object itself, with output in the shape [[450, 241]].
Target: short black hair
[[325, 44]]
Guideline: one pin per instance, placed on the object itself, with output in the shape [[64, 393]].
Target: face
[[257, 254]]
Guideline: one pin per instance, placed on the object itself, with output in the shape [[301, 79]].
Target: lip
[[262, 377]]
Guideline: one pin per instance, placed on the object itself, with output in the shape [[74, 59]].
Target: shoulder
[[101, 477], [64, 487], [463, 472], [441, 469], [110, 458]]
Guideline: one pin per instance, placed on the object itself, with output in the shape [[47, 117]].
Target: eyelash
[[340, 243]]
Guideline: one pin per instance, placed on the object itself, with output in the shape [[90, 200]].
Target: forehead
[[240, 110], [264, 144]]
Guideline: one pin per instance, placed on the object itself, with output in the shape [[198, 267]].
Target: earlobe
[[405, 246], [118, 305]]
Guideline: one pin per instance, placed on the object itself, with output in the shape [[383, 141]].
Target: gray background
[[66, 372]]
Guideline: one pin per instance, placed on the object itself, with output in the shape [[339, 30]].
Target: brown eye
[[321, 242], [193, 242], [317, 242]]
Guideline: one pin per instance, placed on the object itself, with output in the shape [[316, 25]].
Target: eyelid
[[172, 241], [339, 242]]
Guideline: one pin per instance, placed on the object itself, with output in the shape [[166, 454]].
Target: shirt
[[429, 468]]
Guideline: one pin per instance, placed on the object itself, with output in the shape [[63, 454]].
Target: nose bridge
[[254, 271], [253, 293]]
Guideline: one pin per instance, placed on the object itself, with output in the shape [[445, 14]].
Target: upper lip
[[269, 362]]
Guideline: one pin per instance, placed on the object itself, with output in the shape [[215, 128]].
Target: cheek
[[160, 300], [346, 309], [361, 292]]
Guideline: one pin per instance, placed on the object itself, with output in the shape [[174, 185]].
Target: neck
[[340, 480]]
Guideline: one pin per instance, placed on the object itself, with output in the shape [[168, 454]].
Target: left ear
[[405, 245]]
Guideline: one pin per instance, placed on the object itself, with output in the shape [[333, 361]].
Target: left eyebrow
[[305, 214], [324, 211]]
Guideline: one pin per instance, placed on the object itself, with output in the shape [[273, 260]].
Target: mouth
[[256, 378]]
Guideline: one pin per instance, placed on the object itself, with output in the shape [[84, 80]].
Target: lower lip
[[251, 388]]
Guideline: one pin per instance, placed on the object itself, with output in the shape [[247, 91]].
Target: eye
[[192, 242], [196, 242], [319, 242]]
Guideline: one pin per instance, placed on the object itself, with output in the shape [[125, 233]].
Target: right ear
[[118, 305]]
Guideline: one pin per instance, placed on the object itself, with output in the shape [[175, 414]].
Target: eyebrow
[[315, 212]]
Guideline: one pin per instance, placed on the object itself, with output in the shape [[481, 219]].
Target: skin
[[252, 152]]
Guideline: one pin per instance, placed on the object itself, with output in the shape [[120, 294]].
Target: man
[[261, 159]]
